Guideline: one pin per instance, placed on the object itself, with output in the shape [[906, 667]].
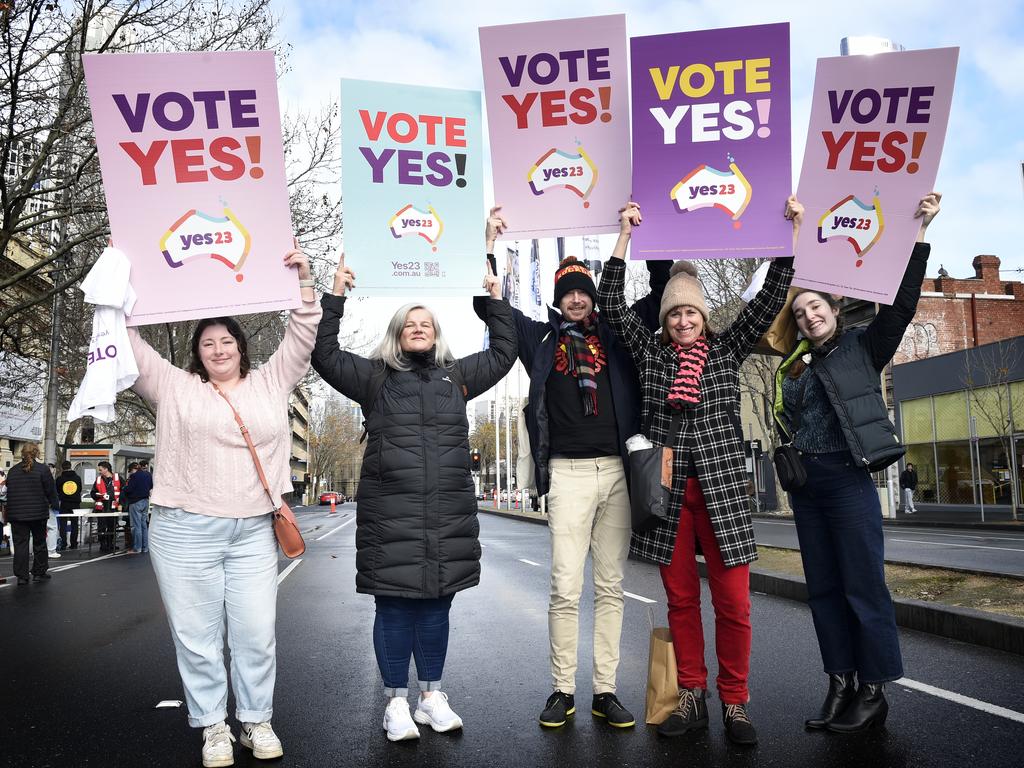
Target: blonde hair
[[389, 350], [29, 453]]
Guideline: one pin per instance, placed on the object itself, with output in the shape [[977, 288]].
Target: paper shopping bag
[[662, 687]]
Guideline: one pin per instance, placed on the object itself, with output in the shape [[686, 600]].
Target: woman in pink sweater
[[211, 537]]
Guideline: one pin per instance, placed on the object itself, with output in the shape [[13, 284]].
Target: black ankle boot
[[868, 708], [841, 691]]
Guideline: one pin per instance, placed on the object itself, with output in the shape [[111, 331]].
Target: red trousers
[[730, 596]]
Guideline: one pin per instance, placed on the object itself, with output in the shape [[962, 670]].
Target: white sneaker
[[397, 721], [53, 555], [217, 749], [261, 739], [434, 711]]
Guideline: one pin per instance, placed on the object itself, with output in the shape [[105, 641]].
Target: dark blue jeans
[[839, 524], [405, 627]]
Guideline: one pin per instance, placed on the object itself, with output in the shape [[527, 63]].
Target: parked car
[[328, 496]]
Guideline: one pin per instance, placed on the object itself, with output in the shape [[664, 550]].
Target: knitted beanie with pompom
[[683, 289]]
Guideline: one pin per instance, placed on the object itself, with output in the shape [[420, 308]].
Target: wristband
[[307, 283]]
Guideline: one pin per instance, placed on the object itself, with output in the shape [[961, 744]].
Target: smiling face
[[219, 354], [418, 332], [685, 324], [815, 317], [576, 305]]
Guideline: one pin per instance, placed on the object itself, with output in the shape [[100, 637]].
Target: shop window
[[951, 417], [923, 459], [996, 482], [916, 416], [953, 473], [991, 411]]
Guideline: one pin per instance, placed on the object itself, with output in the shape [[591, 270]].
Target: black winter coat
[[850, 372], [537, 343], [417, 533], [30, 495]]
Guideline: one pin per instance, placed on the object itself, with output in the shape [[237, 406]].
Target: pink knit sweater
[[202, 464]]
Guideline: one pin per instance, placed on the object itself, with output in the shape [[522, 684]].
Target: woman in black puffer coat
[[416, 522], [31, 494]]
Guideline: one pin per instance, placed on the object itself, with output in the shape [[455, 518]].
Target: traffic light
[[474, 460]]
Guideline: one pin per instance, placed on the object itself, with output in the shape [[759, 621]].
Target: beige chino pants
[[588, 511]]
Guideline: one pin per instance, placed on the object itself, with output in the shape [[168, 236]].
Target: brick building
[[956, 314]]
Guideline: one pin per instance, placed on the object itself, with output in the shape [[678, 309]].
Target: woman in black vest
[[832, 406], [417, 535], [31, 495]]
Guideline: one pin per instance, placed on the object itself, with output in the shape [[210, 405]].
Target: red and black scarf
[[580, 360], [685, 389]]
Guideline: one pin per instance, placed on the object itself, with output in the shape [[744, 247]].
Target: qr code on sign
[[433, 268]]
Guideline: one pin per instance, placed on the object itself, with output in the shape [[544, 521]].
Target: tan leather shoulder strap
[[248, 442]]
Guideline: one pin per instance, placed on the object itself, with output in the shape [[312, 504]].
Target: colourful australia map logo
[[557, 169], [411, 221], [707, 187], [858, 223], [198, 235]]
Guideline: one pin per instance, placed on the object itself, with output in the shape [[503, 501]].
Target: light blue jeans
[[138, 512], [209, 569]]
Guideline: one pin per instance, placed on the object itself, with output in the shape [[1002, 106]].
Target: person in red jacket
[[106, 495]]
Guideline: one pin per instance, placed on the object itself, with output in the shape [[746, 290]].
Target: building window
[[995, 486], [951, 417], [923, 459], [918, 426], [954, 474]]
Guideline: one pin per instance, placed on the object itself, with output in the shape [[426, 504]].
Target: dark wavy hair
[[195, 364]]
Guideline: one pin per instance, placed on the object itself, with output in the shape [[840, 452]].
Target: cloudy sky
[[980, 177]]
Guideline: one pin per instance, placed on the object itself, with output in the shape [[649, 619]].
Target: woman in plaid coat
[[690, 375]]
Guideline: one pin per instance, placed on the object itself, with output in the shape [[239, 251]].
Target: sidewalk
[[925, 519]]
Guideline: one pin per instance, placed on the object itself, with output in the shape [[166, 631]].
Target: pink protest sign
[[877, 128], [193, 172], [558, 116]]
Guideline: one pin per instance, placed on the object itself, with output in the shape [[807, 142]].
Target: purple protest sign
[[877, 128], [711, 143]]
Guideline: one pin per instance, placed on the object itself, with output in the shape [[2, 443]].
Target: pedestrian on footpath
[[690, 377], [832, 408], [583, 403], [211, 538], [106, 497], [417, 534], [908, 485], [69, 493], [136, 499], [30, 497]]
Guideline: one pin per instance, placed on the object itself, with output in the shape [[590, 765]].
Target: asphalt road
[[85, 657], [971, 548]]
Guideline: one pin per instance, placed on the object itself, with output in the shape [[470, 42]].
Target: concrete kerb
[[1003, 633]]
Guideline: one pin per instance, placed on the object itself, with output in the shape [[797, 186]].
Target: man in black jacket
[[908, 484], [584, 403], [69, 492]]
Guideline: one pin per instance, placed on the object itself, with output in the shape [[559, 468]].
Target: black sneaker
[[690, 714], [22, 581], [738, 727], [41, 577], [607, 706], [559, 707]]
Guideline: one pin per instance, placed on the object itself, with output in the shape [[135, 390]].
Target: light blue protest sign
[[412, 188]]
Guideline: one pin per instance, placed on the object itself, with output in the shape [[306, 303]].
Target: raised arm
[[154, 371], [346, 372], [757, 317], [483, 370], [290, 360], [611, 297], [884, 334]]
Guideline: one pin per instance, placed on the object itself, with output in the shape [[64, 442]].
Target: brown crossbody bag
[[286, 527]]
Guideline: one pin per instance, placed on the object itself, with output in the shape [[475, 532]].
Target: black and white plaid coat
[[712, 427]]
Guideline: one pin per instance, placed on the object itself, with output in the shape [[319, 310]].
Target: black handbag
[[650, 481], [789, 468]]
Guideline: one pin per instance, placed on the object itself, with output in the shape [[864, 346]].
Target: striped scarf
[[580, 360], [686, 387]]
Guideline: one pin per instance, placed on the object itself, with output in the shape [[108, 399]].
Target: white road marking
[[334, 530], [69, 566], [639, 597], [284, 574], [529, 562], [966, 701], [951, 544]]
